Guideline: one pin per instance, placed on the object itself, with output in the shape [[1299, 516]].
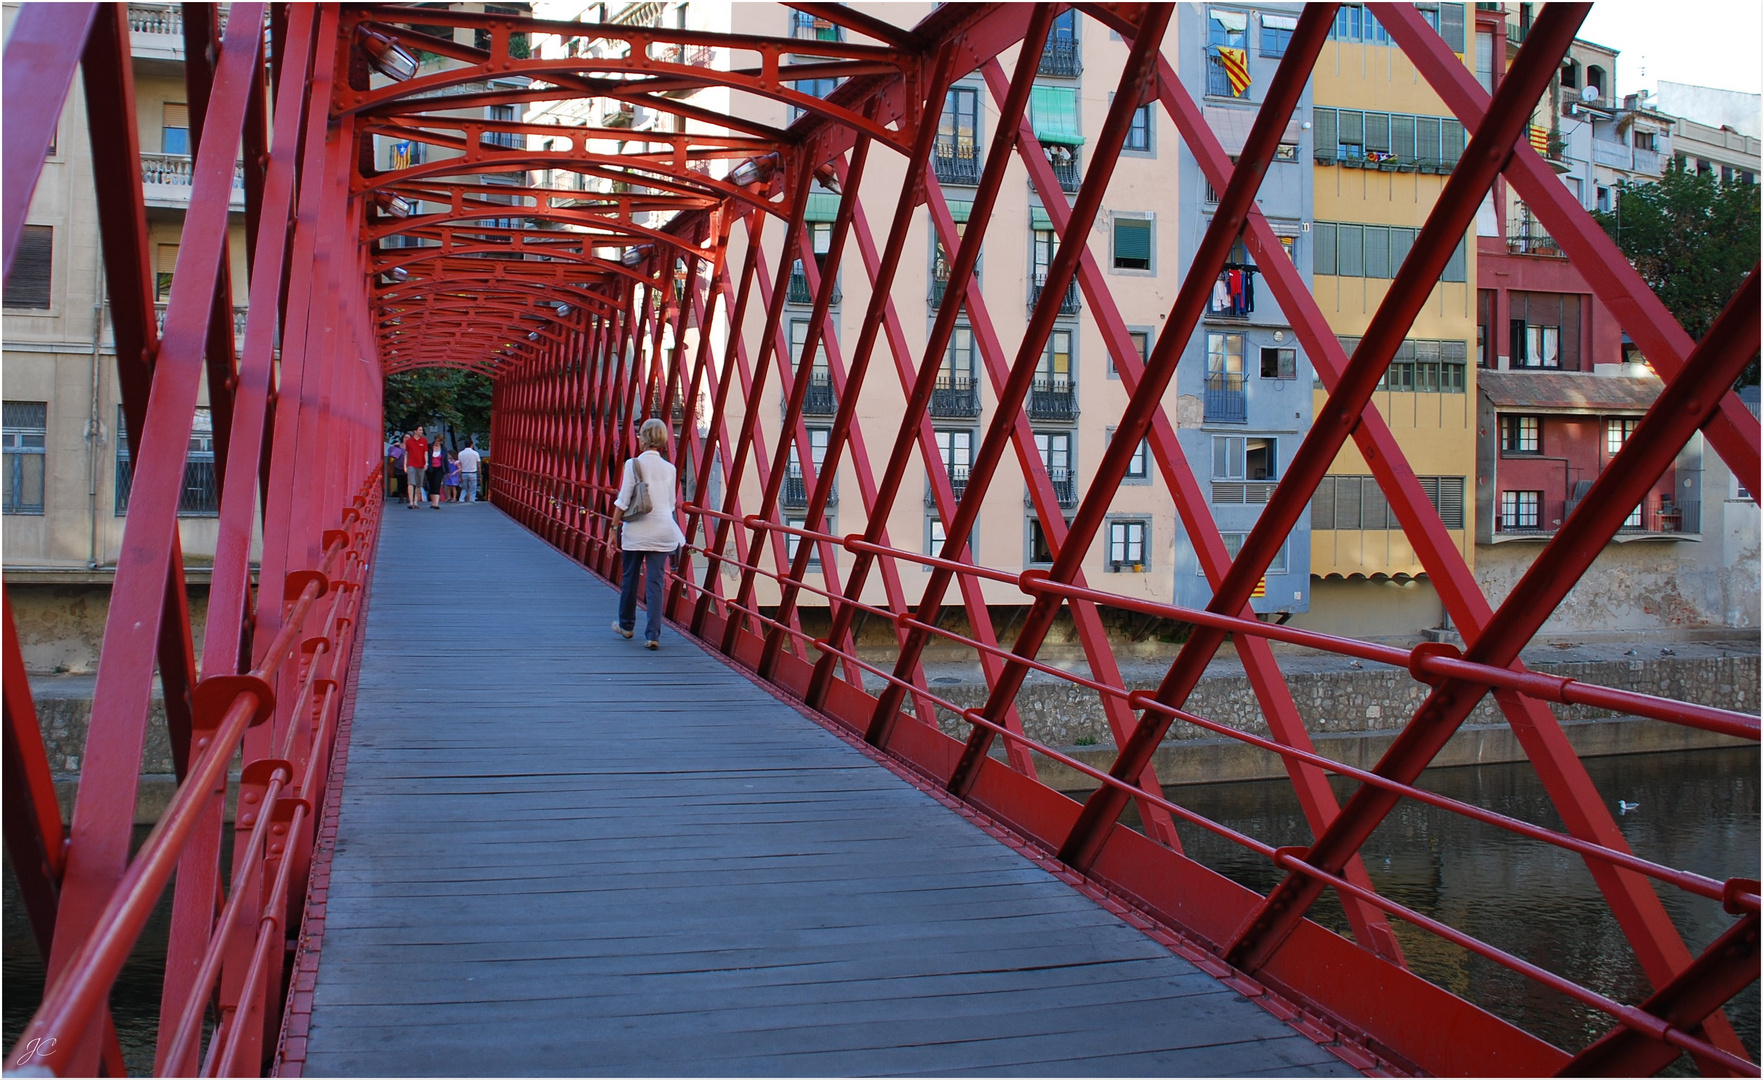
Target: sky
[[1717, 44]]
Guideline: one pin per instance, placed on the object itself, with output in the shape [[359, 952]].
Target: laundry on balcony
[[1233, 294]]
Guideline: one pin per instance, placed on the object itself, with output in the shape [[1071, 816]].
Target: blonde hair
[[653, 435]]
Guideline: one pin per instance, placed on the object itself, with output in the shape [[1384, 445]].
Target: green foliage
[[1692, 238], [435, 397]]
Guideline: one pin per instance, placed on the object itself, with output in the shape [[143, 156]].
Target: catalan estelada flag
[[401, 155], [1236, 68], [1539, 139], [1260, 589]]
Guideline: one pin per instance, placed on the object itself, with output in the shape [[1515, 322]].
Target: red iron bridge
[[756, 851]]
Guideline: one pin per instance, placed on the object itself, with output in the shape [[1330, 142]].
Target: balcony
[[1064, 486], [1217, 81], [166, 181], [238, 319], [957, 483], [1061, 58], [156, 31], [1541, 518], [795, 492], [800, 293], [1523, 243], [1226, 400], [1068, 304], [939, 288], [1614, 154], [1064, 162], [1233, 294], [954, 397], [957, 163], [820, 399], [1052, 399]]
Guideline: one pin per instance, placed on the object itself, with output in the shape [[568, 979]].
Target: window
[[1520, 509], [1286, 151], [165, 263], [1277, 363], [174, 128], [956, 450], [1138, 467], [1644, 140], [1521, 434], [1138, 136], [200, 496], [27, 286], [935, 535], [1233, 544], [957, 148], [1128, 551], [1401, 142], [1276, 33], [1054, 371], [1055, 449], [26, 433], [793, 542], [1227, 34], [1355, 22], [1141, 340], [1616, 433], [1046, 245], [1132, 243], [1240, 457], [1040, 549]]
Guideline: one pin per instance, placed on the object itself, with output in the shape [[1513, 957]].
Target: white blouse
[[657, 530]]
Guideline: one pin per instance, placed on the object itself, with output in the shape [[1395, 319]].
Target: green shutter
[[1327, 145], [1132, 239], [822, 206], [1451, 26], [1324, 255], [1039, 220], [1054, 109], [960, 210]]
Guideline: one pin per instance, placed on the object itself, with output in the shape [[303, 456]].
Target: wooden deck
[[561, 854]]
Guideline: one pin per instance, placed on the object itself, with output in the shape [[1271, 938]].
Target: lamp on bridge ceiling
[[398, 275], [385, 56], [635, 255], [755, 170], [828, 179], [395, 205]]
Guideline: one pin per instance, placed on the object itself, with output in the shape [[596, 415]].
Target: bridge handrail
[[71, 1003], [1429, 663]]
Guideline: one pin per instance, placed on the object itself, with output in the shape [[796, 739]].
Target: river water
[[1697, 811]]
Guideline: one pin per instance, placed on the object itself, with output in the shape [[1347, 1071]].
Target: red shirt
[[416, 449]]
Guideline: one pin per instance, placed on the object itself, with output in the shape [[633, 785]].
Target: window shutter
[[1236, 457], [1377, 131], [1377, 251], [1326, 142], [1373, 507], [959, 209], [1451, 138], [1039, 220], [1457, 268], [1401, 242], [27, 286], [1346, 502], [822, 206], [1132, 239], [177, 115], [1054, 111], [1322, 504], [1220, 455], [1451, 501], [1324, 232], [1352, 127], [1350, 252], [1402, 136], [1426, 138], [1451, 26], [167, 259]]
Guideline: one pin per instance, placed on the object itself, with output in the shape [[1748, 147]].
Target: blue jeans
[[468, 487], [656, 564]]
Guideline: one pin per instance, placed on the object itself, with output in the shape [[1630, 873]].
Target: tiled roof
[[1568, 391]]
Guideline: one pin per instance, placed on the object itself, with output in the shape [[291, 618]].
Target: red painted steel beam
[[1680, 411], [39, 71]]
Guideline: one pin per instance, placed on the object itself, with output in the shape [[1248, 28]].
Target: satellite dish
[[1590, 93]]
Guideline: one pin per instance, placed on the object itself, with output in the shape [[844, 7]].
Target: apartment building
[[66, 468], [1384, 146]]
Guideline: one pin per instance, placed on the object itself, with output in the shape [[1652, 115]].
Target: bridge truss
[[578, 308]]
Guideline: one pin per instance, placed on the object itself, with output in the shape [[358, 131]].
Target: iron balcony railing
[[238, 319], [957, 163], [1539, 518], [954, 397], [160, 172], [1217, 81], [939, 288], [957, 483], [1068, 304], [1064, 486], [795, 492], [1052, 399], [1062, 58], [164, 20], [800, 293], [1064, 163], [1227, 402], [820, 399]]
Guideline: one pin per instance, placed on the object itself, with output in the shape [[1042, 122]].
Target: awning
[[1054, 110], [1232, 127], [1039, 219], [822, 206], [960, 210]]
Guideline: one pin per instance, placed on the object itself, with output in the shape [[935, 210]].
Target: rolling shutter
[[1326, 142], [27, 286]]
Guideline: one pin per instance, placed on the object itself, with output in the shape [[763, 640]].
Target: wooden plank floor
[[559, 854]]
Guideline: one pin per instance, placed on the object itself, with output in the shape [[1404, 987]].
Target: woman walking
[[436, 473], [646, 538]]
